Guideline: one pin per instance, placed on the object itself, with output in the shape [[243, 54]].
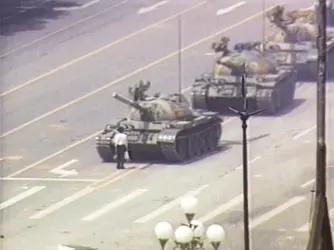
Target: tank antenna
[[244, 115], [320, 234], [263, 25], [180, 56]]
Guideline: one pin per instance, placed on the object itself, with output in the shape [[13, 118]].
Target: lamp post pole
[[180, 56], [321, 235], [244, 116]]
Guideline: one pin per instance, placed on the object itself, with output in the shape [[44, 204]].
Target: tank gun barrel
[[127, 101]]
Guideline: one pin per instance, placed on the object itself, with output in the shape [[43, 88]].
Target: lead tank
[[162, 127], [268, 85], [294, 40]]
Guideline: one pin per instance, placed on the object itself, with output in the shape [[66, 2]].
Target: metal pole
[[180, 57], [244, 119], [321, 100], [263, 21], [244, 116], [321, 235]]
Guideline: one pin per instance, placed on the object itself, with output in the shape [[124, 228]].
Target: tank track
[[192, 142], [199, 99], [282, 95], [105, 150]]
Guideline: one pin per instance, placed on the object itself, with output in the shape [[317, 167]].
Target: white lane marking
[[222, 209], [227, 121], [307, 226], [62, 203], [61, 169], [20, 197], [84, 6], [258, 175], [250, 162], [47, 179], [306, 131], [151, 8], [276, 211], [114, 204], [169, 205], [210, 54], [95, 186], [230, 9], [303, 228], [308, 183], [54, 154]]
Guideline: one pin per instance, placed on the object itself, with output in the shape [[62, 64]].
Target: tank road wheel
[[182, 149], [274, 101], [193, 148], [213, 137], [206, 140], [290, 88], [218, 133], [202, 140]]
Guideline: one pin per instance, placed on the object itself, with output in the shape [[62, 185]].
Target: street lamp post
[[244, 116], [190, 235]]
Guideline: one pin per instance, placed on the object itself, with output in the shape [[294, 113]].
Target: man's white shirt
[[121, 139]]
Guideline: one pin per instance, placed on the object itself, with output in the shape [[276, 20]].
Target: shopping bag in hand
[[126, 156]]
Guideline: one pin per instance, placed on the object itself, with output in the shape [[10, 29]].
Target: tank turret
[[287, 31], [269, 85], [249, 62], [163, 126], [295, 33], [158, 108]]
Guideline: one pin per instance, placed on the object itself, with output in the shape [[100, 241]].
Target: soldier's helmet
[[225, 40], [276, 13]]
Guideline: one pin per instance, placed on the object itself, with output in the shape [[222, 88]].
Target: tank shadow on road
[[222, 148], [239, 142], [296, 103], [18, 16]]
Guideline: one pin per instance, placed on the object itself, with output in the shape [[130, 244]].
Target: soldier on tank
[[276, 14], [221, 46], [138, 91]]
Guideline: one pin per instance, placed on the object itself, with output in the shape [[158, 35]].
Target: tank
[[162, 127], [269, 85], [293, 40]]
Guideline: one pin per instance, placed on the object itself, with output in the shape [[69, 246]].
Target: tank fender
[[168, 135]]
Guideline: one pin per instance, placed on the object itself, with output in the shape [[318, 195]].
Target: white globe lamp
[[198, 228], [216, 235], [164, 232], [189, 207], [198, 231], [183, 236]]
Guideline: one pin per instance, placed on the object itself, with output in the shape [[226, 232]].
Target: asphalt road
[[48, 115]]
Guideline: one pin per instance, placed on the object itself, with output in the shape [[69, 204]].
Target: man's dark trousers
[[120, 151]]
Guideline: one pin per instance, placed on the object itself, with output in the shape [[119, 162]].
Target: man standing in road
[[121, 146]]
